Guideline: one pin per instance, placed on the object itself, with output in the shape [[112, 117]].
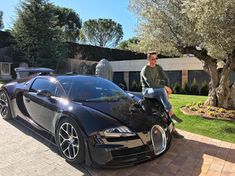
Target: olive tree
[[205, 28]]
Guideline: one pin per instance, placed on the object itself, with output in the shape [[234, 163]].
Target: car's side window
[[45, 84]]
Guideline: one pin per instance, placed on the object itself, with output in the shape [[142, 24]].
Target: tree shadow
[[229, 130], [185, 156]]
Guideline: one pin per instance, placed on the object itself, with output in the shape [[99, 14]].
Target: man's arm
[[164, 76]]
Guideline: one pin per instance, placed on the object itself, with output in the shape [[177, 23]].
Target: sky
[[117, 10]]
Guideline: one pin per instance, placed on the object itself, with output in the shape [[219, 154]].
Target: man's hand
[[168, 90]]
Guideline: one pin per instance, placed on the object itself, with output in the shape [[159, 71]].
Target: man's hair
[[151, 53]]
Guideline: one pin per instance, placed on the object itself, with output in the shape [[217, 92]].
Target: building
[[179, 70]]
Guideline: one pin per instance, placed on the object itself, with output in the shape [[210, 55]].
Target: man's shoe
[[176, 119], [177, 135]]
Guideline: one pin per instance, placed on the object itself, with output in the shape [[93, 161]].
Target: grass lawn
[[218, 129]]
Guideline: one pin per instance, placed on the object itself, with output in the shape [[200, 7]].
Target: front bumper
[[122, 152]]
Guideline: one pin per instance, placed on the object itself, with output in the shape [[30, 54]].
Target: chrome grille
[[158, 137]]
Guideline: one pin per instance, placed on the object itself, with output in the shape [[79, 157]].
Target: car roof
[[76, 76], [33, 69], [60, 77]]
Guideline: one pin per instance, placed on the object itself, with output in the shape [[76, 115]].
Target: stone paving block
[[172, 169], [183, 173], [145, 167], [231, 156], [179, 161], [228, 173], [213, 173], [229, 167], [165, 161], [225, 144], [232, 146], [141, 173], [216, 167], [125, 172]]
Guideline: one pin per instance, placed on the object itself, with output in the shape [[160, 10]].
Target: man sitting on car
[[155, 84]]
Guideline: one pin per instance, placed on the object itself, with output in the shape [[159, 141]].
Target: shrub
[[177, 88], [204, 89], [201, 111], [135, 86], [194, 88], [186, 89], [211, 113], [221, 110], [122, 85], [192, 108], [188, 105], [200, 104], [210, 108]]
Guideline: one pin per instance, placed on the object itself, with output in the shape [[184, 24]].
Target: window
[[5, 68], [45, 84]]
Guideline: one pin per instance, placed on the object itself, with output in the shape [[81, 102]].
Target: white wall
[[185, 63]]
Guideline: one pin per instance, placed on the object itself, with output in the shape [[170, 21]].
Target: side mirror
[[44, 93]]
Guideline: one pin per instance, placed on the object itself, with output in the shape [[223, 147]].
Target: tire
[[70, 141], [5, 109]]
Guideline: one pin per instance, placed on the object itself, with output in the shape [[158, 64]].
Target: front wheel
[[5, 110], [70, 141]]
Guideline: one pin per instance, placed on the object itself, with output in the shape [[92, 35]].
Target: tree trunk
[[220, 89], [219, 86], [223, 92], [224, 89], [214, 82], [211, 99]]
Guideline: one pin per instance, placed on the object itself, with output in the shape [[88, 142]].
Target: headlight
[[121, 131]]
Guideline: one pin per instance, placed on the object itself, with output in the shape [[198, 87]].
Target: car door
[[42, 109]]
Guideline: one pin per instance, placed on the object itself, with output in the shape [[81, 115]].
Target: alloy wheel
[[68, 140], [4, 106]]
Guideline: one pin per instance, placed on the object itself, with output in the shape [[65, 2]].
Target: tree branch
[[175, 35], [209, 62], [200, 54]]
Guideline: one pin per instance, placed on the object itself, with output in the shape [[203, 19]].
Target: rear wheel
[[70, 141], [5, 110]]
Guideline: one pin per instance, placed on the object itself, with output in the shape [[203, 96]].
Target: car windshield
[[88, 88]]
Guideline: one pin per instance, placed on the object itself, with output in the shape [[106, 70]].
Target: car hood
[[127, 111]]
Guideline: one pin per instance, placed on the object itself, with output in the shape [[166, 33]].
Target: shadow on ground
[[193, 155]]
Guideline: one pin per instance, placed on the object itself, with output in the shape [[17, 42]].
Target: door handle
[[27, 100]]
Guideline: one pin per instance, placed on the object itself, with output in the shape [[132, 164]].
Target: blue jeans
[[160, 94]]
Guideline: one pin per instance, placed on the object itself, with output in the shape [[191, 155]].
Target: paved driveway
[[23, 151]]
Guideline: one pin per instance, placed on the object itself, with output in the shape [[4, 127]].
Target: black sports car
[[92, 119]]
